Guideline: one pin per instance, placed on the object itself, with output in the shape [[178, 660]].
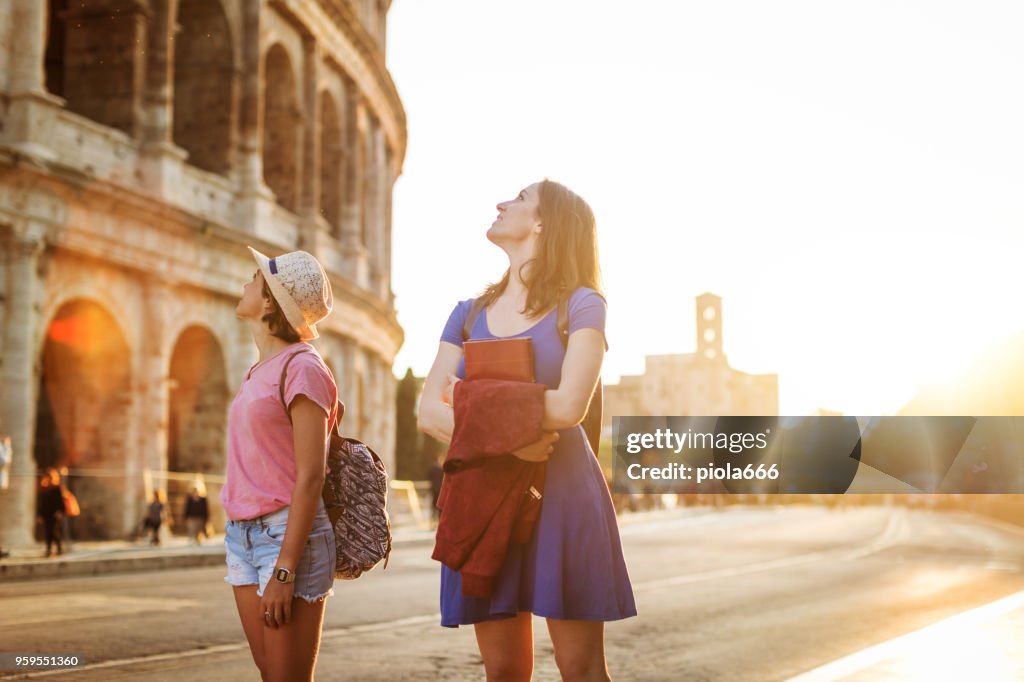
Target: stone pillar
[[27, 46], [388, 189], [20, 377], [32, 111], [151, 397], [312, 233], [158, 96], [161, 161], [368, 200], [354, 252], [256, 201], [379, 227], [387, 414]]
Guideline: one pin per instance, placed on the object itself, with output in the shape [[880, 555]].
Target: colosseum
[[143, 145]]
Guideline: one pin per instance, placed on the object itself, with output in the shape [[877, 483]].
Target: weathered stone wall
[[174, 133]]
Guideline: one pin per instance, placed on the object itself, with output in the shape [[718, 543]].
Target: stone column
[[32, 111], [20, 379], [27, 46], [379, 227], [158, 96], [354, 252], [151, 396], [387, 414], [370, 204], [256, 201], [388, 191], [161, 161], [312, 233]]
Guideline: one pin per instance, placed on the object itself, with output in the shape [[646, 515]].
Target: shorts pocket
[[276, 532]]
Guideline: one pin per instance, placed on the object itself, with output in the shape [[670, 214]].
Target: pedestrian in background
[[156, 514], [279, 540], [71, 508], [571, 571], [197, 514], [50, 510], [6, 456]]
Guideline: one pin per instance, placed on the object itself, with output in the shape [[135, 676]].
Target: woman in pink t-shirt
[[280, 544]]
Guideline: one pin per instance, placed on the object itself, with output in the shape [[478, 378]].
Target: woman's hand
[[448, 394], [277, 602], [540, 450]]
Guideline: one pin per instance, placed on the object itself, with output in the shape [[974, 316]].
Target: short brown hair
[[275, 319]]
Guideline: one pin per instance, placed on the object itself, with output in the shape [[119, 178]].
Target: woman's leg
[[579, 649], [248, 604], [507, 648], [290, 651]]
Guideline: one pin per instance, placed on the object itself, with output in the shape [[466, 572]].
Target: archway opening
[[83, 415], [282, 129], [197, 418], [203, 77]]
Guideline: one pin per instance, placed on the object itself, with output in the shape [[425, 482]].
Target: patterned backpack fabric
[[355, 496]]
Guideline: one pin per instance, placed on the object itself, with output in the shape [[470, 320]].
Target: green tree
[[408, 463]]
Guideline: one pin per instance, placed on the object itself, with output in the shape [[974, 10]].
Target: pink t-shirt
[[261, 453]]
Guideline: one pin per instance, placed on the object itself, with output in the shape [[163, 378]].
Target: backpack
[[355, 496], [595, 410]]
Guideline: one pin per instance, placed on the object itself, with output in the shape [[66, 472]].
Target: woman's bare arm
[[436, 417], [309, 424], [566, 406]]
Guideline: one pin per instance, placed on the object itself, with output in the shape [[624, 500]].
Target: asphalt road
[[741, 594]]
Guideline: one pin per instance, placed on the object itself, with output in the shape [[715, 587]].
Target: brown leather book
[[509, 359]]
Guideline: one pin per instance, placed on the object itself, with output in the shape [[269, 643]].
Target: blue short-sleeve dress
[[572, 568]]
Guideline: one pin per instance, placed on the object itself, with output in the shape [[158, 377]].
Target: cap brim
[[306, 332]]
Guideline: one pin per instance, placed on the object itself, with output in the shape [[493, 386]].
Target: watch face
[[282, 575]]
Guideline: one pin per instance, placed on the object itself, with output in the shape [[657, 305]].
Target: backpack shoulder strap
[[284, 373], [474, 312], [280, 387], [563, 321]]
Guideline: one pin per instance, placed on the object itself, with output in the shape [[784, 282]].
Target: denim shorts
[[253, 546]]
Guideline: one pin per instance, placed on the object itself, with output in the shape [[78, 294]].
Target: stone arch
[[98, 68], [197, 419], [204, 72], [332, 160], [84, 406], [282, 128]]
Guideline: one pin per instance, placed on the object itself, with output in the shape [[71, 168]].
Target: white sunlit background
[[848, 177]]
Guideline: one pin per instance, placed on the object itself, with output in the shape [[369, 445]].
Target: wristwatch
[[283, 575]]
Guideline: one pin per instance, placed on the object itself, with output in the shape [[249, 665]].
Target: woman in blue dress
[[572, 571]]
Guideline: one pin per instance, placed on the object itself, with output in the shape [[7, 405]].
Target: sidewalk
[[122, 556]]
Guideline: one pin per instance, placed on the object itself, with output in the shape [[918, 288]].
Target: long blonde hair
[[565, 257]]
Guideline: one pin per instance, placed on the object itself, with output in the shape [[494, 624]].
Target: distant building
[[700, 383]]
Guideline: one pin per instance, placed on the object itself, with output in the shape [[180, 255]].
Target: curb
[[54, 569], [156, 560]]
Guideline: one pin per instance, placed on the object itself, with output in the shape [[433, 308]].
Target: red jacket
[[489, 498]]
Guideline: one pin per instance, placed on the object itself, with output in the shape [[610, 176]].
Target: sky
[[848, 177]]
